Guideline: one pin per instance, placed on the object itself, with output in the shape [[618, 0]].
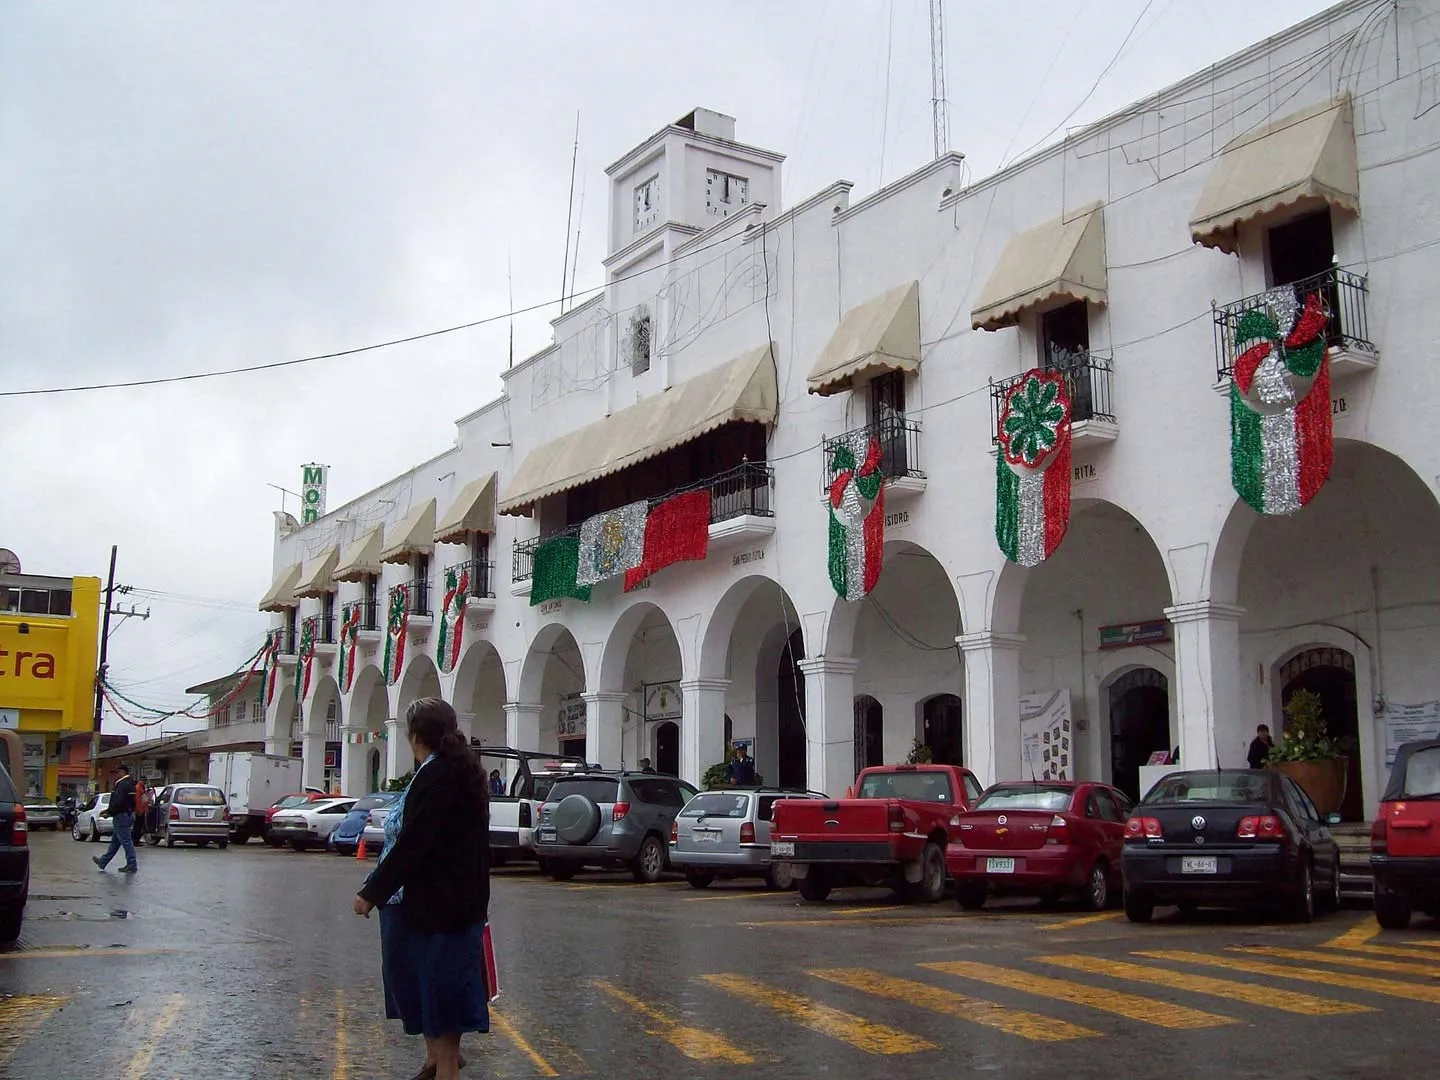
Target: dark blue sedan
[[346, 838]]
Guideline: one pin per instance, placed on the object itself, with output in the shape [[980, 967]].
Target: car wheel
[[241, 837], [221, 844], [94, 832], [202, 843], [1097, 888], [650, 863], [561, 870], [298, 845], [1139, 907], [1392, 910], [1187, 908], [970, 895], [10, 922], [815, 886], [780, 877], [1302, 904], [930, 889], [75, 833], [700, 881], [1332, 894], [169, 840]]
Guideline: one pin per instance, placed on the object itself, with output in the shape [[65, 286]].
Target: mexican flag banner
[[270, 660], [359, 738], [553, 570], [349, 638], [1281, 429], [676, 530], [1032, 468], [857, 515], [306, 659], [452, 619], [611, 543], [395, 627]]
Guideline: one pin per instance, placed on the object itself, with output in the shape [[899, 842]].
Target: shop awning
[[415, 535], [282, 593], [317, 577], [472, 512], [361, 558], [1306, 159], [1061, 259], [742, 390], [882, 334]]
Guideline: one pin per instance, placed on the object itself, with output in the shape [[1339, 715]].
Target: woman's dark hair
[[432, 722]]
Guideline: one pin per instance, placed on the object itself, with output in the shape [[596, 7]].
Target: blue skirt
[[434, 983]]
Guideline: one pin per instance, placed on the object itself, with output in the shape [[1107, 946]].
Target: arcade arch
[[549, 701], [419, 680], [479, 693], [363, 760], [639, 707]]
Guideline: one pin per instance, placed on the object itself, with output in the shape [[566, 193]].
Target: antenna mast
[[569, 213], [939, 104], [510, 281]]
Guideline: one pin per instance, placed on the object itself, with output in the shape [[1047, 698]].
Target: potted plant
[[1308, 755], [920, 754]]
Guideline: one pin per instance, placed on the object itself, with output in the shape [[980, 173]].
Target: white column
[[702, 728], [399, 759], [466, 722], [830, 723], [522, 725], [604, 726], [354, 763], [312, 771], [991, 715], [1207, 684]]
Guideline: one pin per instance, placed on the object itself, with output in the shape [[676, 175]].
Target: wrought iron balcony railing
[[1087, 377], [322, 629], [899, 438], [1347, 325], [289, 640], [369, 613], [482, 577], [418, 596]]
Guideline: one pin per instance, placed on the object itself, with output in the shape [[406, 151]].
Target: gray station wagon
[[609, 819], [725, 833]]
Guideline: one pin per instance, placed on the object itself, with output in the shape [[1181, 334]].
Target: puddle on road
[[119, 913]]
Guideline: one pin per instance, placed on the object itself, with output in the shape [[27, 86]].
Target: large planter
[[1323, 781]]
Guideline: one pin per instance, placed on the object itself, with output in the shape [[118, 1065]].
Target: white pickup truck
[[526, 778]]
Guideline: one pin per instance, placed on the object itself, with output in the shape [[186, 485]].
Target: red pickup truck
[[893, 832]]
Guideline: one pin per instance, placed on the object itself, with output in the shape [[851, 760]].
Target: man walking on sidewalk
[[121, 813]]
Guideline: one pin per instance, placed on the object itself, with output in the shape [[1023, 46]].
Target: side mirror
[[1332, 819]]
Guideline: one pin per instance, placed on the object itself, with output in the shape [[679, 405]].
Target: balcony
[[417, 599], [480, 596], [1347, 324], [740, 510], [1088, 376], [369, 615], [899, 437], [322, 632], [289, 643]]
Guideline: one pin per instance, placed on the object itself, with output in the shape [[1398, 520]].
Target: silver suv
[[611, 820], [726, 834]]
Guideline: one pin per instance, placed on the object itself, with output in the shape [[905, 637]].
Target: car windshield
[[1222, 786], [292, 801], [713, 805], [540, 786], [1026, 798], [374, 802], [199, 796], [1422, 774], [595, 788], [919, 786], [37, 800]]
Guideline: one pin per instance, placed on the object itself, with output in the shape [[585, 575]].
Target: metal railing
[[322, 629], [899, 438], [482, 577], [418, 596], [1087, 378], [743, 491], [369, 613], [289, 640], [1347, 324]]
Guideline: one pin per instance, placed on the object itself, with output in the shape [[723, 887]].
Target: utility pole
[[100, 671], [939, 105]]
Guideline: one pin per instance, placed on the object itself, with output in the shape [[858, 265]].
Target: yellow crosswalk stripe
[[1266, 996], [1084, 920], [1356, 936], [1131, 1006], [863, 1034], [695, 1043], [501, 1024], [747, 895], [342, 1044], [140, 1063], [1360, 960], [22, 1016], [1390, 987], [1027, 1025]]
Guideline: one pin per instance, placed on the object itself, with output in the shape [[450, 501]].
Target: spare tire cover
[[576, 819]]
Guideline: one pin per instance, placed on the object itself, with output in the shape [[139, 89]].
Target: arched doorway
[[791, 709], [1139, 724], [374, 770], [667, 748], [869, 733], [943, 729], [1330, 672], [639, 676], [480, 692]]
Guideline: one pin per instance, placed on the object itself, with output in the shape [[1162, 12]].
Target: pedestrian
[[142, 804], [497, 785], [1260, 747], [741, 770], [645, 765], [121, 813], [432, 886]]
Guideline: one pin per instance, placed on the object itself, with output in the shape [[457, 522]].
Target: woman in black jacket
[[432, 886]]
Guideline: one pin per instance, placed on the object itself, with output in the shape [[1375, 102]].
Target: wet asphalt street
[[249, 964]]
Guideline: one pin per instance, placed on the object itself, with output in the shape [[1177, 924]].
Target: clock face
[[647, 202], [725, 192]]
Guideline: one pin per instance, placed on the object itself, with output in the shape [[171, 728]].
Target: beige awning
[[1306, 159], [415, 535], [361, 558], [282, 593], [318, 575], [472, 512], [882, 334], [742, 390], [1061, 259]]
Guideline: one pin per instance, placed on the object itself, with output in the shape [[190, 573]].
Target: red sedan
[[1040, 839], [289, 802]]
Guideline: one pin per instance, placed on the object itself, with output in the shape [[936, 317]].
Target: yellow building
[[49, 638]]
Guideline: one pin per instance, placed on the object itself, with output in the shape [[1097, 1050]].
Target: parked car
[[513, 814], [346, 837], [375, 828], [1229, 837], [188, 814], [1040, 839], [726, 834], [609, 819], [894, 832], [251, 782], [289, 802], [1405, 838], [89, 825], [41, 813], [310, 824], [14, 859]]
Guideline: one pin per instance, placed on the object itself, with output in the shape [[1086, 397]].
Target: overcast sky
[[186, 187]]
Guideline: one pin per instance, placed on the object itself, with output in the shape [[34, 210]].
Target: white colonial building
[[737, 341]]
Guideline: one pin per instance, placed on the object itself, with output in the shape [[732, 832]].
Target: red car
[[1040, 839], [1405, 839], [289, 802]]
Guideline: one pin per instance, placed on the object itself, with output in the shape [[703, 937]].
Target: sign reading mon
[[312, 493]]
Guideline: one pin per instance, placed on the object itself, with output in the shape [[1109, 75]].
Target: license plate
[[547, 836], [999, 866], [782, 847], [201, 814], [1198, 864], [706, 837]]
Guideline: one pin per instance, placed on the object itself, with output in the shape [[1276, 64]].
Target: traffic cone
[[360, 848]]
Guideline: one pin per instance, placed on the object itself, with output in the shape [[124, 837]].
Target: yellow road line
[[1356, 936], [863, 1034], [1084, 920], [835, 920], [23, 1015], [854, 911], [1265, 996], [96, 954], [1132, 1007], [1390, 987], [506, 1028], [140, 1063], [730, 896], [342, 1042], [1366, 961], [1027, 1025], [697, 1044]]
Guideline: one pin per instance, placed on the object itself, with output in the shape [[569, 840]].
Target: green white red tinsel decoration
[[270, 659], [349, 639], [452, 619], [305, 660], [857, 515], [395, 627], [1032, 468]]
